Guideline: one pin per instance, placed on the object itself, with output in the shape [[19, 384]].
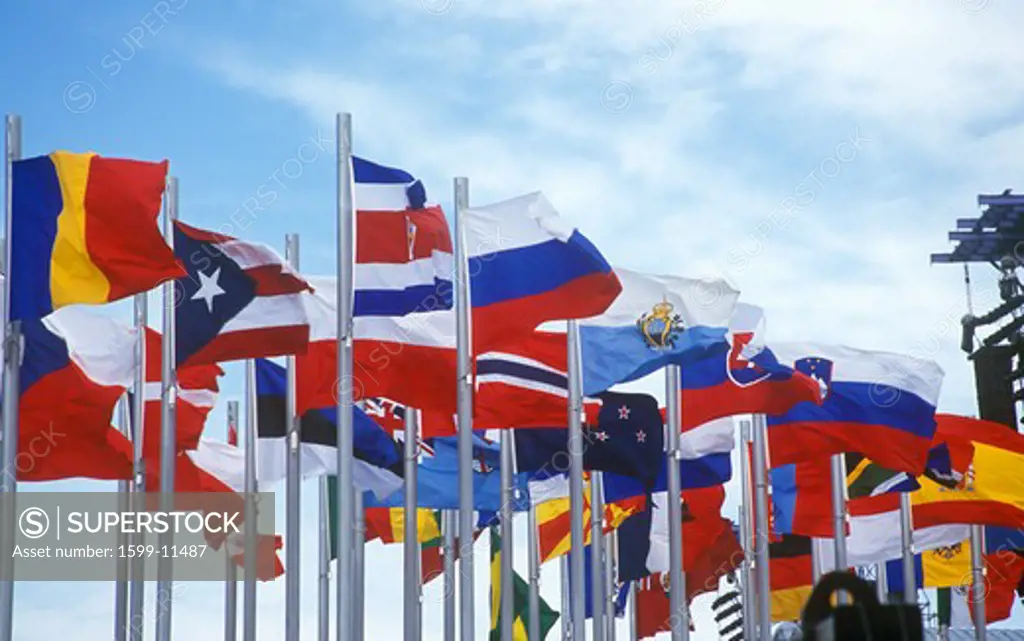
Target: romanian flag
[[992, 490], [792, 579], [84, 230]]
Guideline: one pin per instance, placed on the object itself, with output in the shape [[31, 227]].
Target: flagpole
[[508, 614], [249, 576], [449, 523], [632, 612], [815, 563], [907, 550], [359, 568], [137, 567], [346, 380], [410, 540], [764, 609], [533, 558], [123, 499], [12, 365], [563, 577], [978, 590], [679, 617], [881, 582], [231, 581], [611, 550], [839, 516], [575, 442], [746, 537], [293, 479], [324, 563], [168, 428], [597, 592], [464, 391]]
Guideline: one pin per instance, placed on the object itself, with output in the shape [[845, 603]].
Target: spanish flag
[[84, 230], [991, 491]]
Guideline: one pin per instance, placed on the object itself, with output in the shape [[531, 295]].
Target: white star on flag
[[641, 436], [623, 413], [601, 436], [209, 288]]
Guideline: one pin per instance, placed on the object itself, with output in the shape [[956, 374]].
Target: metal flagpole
[[505, 571], [346, 380], [881, 583], [764, 609], [324, 563], [611, 549], [679, 616], [449, 524], [293, 479], [815, 563], [978, 580], [577, 571], [839, 516], [464, 358], [746, 537], [231, 581], [137, 596], [597, 592], [359, 569], [907, 549], [123, 502], [12, 365], [631, 613], [249, 575], [168, 427], [563, 577], [410, 541], [533, 559]]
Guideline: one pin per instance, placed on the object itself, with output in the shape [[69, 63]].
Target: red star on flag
[[641, 436]]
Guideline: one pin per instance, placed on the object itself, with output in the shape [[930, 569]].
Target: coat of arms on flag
[[819, 369], [660, 327]]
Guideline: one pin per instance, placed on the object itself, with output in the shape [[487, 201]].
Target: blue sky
[[814, 154]]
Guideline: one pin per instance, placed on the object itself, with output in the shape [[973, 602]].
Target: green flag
[[521, 600], [332, 516], [866, 478]]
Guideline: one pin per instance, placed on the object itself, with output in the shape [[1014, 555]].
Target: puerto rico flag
[[746, 380], [878, 404], [239, 300]]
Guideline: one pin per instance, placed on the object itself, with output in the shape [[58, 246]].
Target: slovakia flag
[[528, 266], [240, 300], [746, 380], [75, 367], [879, 404]]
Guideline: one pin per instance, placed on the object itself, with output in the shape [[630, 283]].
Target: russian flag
[[655, 321], [879, 404], [528, 266], [746, 380], [239, 300], [75, 366]]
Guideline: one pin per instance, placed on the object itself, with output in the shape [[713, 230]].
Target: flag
[[621, 589], [378, 460], [864, 477], [75, 366], [745, 380], [520, 600], [391, 417], [790, 575], [944, 567], [238, 300], [84, 230], [991, 492], [388, 524], [554, 528], [196, 391], [524, 385], [628, 439], [876, 403], [656, 320], [875, 533], [654, 608], [528, 266], [801, 498]]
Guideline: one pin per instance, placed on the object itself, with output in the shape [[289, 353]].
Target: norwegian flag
[[239, 300]]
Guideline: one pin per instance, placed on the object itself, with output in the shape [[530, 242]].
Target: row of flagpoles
[[349, 597]]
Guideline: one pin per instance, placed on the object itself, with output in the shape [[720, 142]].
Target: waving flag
[[391, 417], [378, 463], [528, 266], [83, 230], [239, 300], [746, 380], [520, 600], [879, 404], [75, 366], [791, 576], [656, 320]]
